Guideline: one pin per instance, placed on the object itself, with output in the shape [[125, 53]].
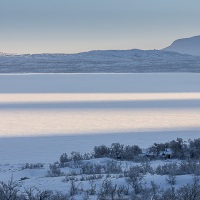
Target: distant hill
[[186, 46], [108, 61]]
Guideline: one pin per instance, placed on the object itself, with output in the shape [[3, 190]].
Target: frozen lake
[[44, 115]]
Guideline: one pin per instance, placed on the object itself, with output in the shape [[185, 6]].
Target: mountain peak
[[186, 46]]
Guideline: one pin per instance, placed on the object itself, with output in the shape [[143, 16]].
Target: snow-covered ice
[[44, 115]]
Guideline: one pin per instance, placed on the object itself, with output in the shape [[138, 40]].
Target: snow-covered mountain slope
[[125, 61], [186, 46]]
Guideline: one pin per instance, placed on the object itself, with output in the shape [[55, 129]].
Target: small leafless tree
[[134, 179], [107, 191], [10, 190], [73, 188], [171, 179], [92, 190]]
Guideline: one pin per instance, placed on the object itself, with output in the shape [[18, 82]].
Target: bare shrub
[[63, 159], [171, 179], [33, 166], [69, 178], [74, 189], [44, 195], [116, 150], [54, 171], [190, 191], [190, 167], [134, 179], [92, 190], [88, 168], [10, 190], [169, 193], [169, 168], [179, 148], [182, 168], [131, 152], [194, 148], [112, 167], [94, 177], [146, 167], [154, 191], [101, 151], [107, 191]]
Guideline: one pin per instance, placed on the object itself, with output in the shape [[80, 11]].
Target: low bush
[[33, 166]]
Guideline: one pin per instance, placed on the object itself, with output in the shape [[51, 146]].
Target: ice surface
[[45, 115], [100, 83]]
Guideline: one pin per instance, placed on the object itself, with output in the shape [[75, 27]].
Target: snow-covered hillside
[[102, 178], [100, 61], [186, 46]]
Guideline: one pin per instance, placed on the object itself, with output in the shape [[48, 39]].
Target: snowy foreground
[[90, 185], [45, 115]]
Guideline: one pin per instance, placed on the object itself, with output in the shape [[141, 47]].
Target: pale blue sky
[[69, 26]]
